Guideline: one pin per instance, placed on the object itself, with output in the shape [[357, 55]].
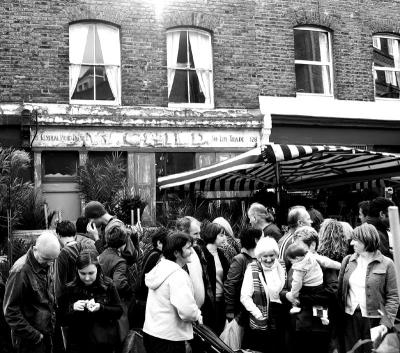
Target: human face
[[361, 216], [194, 230], [184, 256], [88, 274], [358, 246], [253, 219], [220, 239], [268, 259], [305, 220], [44, 259]]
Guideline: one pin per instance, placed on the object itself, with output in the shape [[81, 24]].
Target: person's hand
[[79, 305], [93, 306], [40, 338], [200, 320], [92, 229], [259, 315]]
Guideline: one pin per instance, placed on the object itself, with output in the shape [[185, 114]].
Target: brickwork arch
[[306, 17], [385, 27], [191, 19]]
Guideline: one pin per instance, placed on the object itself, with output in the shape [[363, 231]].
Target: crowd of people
[[320, 287]]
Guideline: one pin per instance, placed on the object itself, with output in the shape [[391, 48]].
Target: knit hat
[[224, 224], [94, 209]]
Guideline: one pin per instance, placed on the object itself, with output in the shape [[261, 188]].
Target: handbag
[[104, 332], [134, 342]]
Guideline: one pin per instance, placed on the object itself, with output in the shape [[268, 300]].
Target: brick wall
[[252, 44]]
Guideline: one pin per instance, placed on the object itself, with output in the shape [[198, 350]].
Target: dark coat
[[84, 327], [233, 284], [384, 246], [29, 300], [272, 230], [115, 267], [149, 261]]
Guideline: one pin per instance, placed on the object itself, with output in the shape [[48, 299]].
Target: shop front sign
[[146, 138]]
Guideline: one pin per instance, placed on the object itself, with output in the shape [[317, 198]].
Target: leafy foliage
[[103, 181], [127, 202]]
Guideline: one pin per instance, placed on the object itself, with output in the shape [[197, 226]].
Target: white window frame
[[117, 100], [318, 63], [375, 40], [194, 105]]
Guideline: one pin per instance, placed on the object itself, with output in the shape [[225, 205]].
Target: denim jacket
[[380, 284], [29, 299]]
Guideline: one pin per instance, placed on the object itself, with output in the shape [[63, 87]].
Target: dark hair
[[175, 242], [316, 217], [160, 235], [248, 237], [295, 249], [368, 235], [379, 204], [183, 224], [211, 232], [65, 229], [81, 224], [85, 258], [364, 207], [116, 237]]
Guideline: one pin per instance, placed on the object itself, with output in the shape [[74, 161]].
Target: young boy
[[307, 276]]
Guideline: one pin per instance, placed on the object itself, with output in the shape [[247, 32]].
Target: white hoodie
[[170, 308]]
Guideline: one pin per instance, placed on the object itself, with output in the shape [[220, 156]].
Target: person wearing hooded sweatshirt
[[171, 308]]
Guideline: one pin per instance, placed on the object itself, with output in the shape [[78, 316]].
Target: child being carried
[[308, 277]]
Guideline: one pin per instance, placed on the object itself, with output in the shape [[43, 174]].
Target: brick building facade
[[253, 93]]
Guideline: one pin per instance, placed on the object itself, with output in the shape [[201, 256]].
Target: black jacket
[[84, 326], [29, 299], [114, 266], [233, 283], [272, 230], [384, 246], [149, 261]]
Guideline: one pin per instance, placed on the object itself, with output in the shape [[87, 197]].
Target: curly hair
[[332, 240]]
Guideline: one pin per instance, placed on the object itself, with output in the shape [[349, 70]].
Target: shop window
[[59, 166], [190, 68], [313, 61], [387, 66], [95, 63]]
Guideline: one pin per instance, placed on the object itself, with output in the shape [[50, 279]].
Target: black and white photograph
[[199, 176]]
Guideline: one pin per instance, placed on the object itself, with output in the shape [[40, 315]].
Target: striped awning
[[293, 167]]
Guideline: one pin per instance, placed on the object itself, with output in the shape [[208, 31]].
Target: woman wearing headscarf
[[231, 247], [263, 281]]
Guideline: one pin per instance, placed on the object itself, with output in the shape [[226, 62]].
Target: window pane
[[312, 79], [182, 52], [60, 164], [387, 84], [88, 56], [179, 90], [84, 87], [196, 93], [389, 53], [103, 90], [311, 45]]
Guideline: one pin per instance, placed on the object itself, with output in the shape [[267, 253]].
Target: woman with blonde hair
[[333, 239], [262, 283]]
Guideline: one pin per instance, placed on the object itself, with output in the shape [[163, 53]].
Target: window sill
[[314, 95], [83, 102], [379, 99], [191, 105]]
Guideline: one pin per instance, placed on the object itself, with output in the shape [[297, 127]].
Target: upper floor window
[[190, 68], [95, 63], [387, 66], [313, 61]]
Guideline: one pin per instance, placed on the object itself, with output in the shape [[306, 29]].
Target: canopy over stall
[[290, 167]]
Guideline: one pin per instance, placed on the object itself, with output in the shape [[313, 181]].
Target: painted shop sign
[[148, 138]]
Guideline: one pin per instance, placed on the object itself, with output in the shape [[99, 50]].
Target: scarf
[[260, 298]]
